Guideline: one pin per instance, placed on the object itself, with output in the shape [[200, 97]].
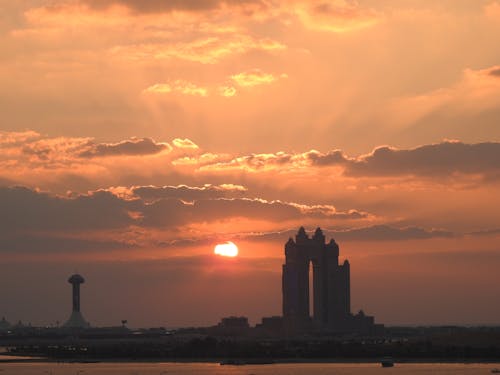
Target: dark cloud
[[207, 210], [434, 160], [330, 158], [154, 6], [430, 160], [59, 151], [24, 210], [258, 161], [443, 158], [188, 193], [36, 221], [134, 146], [495, 72]]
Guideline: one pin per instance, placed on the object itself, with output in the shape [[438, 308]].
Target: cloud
[[386, 183], [83, 219], [433, 160], [46, 149], [227, 91], [248, 79], [333, 157], [29, 211], [436, 160], [206, 158], [380, 232], [210, 210], [188, 193], [11, 139], [443, 159], [159, 6], [258, 162], [60, 164], [185, 143], [320, 15], [337, 16], [206, 50], [205, 37], [66, 148], [255, 77], [178, 86], [133, 146], [486, 232], [495, 71]]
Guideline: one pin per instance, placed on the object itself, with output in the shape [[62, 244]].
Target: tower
[[331, 284], [76, 319]]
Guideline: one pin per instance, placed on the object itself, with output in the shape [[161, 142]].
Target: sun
[[227, 249]]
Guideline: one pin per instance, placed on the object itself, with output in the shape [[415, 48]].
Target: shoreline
[[241, 361]]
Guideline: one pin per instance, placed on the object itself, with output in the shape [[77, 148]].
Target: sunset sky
[[136, 135]]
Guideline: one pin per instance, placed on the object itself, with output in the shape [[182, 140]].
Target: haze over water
[[216, 369]]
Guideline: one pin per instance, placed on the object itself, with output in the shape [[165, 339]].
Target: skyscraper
[[331, 286]]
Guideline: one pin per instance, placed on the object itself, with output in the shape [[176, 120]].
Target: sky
[[137, 135]]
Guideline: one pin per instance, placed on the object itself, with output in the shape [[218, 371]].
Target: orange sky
[[137, 135]]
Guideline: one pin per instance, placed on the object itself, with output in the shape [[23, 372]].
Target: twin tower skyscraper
[[331, 286]]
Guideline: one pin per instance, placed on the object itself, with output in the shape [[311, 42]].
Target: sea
[[42, 368]]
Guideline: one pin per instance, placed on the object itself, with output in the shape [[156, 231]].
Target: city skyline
[[136, 136]]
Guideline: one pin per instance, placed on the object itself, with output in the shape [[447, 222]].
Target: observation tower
[[76, 319]]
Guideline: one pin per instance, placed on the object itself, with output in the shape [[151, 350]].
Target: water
[[216, 369]]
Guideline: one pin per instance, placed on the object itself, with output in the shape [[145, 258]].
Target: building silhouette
[[331, 287], [4, 325], [76, 319]]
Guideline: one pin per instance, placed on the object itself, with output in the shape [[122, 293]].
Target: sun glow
[[227, 249]]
